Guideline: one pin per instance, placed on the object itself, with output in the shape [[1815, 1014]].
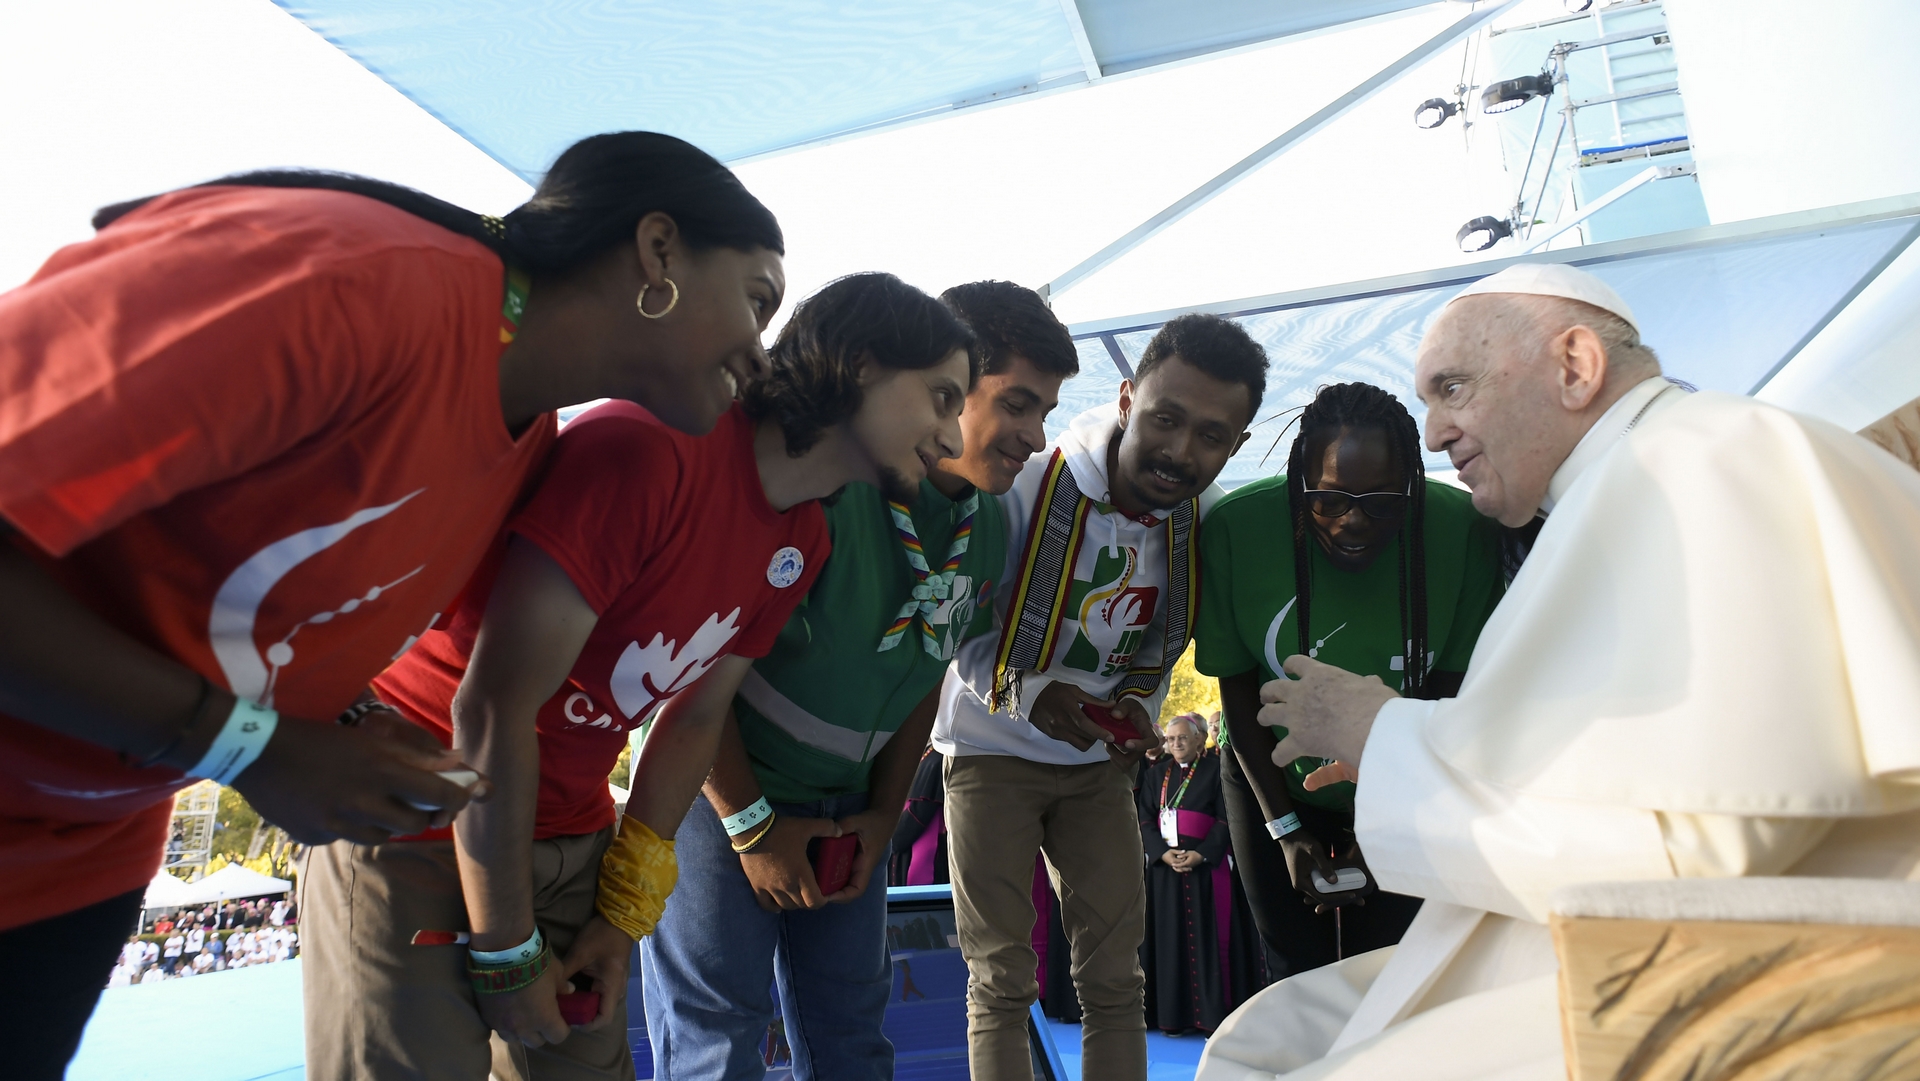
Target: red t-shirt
[[671, 540], [259, 430]]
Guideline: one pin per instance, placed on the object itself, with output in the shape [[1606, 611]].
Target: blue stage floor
[[245, 1026], [1169, 1058], [242, 1025]]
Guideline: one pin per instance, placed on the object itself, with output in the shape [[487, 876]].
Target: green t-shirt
[[1247, 617], [816, 709]]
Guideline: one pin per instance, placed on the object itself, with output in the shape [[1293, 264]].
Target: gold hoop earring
[[640, 301]]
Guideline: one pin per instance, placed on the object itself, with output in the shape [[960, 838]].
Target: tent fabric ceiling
[[1724, 309], [741, 78]]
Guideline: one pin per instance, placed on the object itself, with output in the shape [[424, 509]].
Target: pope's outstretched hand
[[1326, 711]]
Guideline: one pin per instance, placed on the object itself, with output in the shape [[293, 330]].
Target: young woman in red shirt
[[254, 438], [645, 574]]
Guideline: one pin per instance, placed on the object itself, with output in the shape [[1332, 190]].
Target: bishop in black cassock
[[1201, 955]]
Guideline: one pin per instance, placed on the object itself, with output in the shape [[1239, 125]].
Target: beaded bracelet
[[751, 843], [357, 712], [513, 976]]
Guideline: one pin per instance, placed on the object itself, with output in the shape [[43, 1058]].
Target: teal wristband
[[521, 954], [737, 824], [240, 741], [1285, 824]]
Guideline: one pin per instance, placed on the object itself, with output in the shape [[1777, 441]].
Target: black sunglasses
[[1334, 503]]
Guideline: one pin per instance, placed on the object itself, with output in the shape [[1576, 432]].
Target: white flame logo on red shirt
[[647, 674]]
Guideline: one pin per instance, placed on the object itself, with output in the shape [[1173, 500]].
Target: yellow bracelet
[[636, 876], [741, 848]]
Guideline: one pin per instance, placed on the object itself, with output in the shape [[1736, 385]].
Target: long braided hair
[[1363, 406]]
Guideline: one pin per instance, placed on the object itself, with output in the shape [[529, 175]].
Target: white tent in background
[[228, 882], [166, 891]]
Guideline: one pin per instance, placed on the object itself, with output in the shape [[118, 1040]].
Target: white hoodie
[[1120, 585]]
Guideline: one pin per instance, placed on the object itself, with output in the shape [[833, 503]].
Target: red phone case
[[579, 1007], [833, 861], [1121, 728]]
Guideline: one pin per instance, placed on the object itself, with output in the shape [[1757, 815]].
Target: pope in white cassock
[[1709, 666]]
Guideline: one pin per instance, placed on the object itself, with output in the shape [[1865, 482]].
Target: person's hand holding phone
[[1134, 733], [780, 868], [1057, 712]]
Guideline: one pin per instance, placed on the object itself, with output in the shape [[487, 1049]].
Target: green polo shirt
[[817, 709], [1247, 617]]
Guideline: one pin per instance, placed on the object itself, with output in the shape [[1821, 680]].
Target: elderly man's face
[[1493, 404], [1184, 742]]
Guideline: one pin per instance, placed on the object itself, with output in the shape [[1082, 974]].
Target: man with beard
[[1098, 607], [1706, 669]]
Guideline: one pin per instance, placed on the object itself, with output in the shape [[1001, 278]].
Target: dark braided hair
[[1363, 406]]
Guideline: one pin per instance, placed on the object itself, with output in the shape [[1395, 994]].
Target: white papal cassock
[[1709, 666]]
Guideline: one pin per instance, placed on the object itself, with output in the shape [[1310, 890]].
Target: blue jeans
[[709, 966]]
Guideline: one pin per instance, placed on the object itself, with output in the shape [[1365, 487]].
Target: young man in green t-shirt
[[1356, 559], [827, 731]]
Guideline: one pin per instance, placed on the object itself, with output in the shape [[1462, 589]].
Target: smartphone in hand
[[1121, 728], [579, 1007], [833, 861]]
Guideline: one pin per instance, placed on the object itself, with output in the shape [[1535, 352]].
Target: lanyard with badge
[[1170, 812]]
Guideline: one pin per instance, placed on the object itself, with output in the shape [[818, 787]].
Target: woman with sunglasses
[[1355, 558]]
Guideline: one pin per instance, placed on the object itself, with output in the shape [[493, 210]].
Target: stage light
[[1578, 6], [1482, 233], [1433, 112], [1513, 93]]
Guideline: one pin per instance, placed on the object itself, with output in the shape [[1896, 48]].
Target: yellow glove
[[636, 876]]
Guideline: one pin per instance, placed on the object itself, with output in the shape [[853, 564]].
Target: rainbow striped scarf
[[929, 587]]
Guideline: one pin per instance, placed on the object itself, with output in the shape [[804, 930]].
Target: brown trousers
[[379, 1009], [1000, 810]]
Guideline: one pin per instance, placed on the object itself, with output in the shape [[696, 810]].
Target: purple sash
[[1193, 823], [1197, 824], [925, 849]]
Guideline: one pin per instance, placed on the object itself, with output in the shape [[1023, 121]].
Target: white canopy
[[231, 881], [166, 891]]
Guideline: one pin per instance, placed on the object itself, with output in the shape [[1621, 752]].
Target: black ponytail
[[1364, 406], [589, 202]]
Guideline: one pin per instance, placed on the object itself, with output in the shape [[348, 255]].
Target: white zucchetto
[[1554, 280]]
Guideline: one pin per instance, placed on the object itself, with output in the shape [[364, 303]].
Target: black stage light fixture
[[1482, 233], [1513, 93], [1433, 112]]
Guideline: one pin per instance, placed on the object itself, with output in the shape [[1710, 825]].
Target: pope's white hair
[[1540, 318]]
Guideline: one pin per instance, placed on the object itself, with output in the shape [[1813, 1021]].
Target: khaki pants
[[1000, 810], [379, 1008]]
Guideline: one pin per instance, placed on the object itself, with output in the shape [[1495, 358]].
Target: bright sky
[[117, 98]]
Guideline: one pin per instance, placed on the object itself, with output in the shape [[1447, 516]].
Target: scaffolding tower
[[190, 837]]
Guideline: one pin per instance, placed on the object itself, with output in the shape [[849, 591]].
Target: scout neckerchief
[[1182, 793], [1035, 613], [929, 588]]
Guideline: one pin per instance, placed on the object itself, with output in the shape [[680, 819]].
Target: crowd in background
[[214, 938]]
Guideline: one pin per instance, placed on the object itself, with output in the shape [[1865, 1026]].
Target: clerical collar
[[1614, 423]]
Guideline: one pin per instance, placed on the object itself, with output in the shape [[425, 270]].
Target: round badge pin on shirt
[[786, 567]]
